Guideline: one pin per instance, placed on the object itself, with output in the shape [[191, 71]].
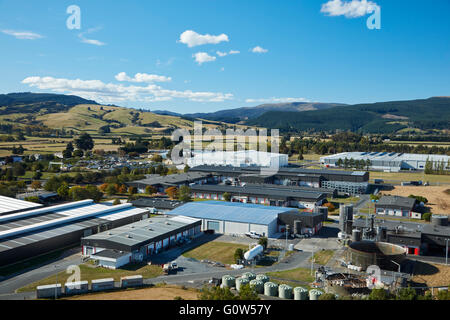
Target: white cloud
[[142, 77], [192, 38], [116, 93], [349, 9], [202, 57], [223, 54], [23, 34], [90, 41], [259, 49], [276, 100]]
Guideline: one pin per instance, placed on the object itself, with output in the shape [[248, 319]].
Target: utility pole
[[287, 228], [56, 284], [446, 252], [312, 260]]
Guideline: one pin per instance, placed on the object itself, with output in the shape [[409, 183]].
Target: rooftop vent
[[128, 236], [167, 223]]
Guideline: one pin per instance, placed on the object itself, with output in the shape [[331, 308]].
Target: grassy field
[[90, 272], [431, 274], [215, 251], [322, 257], [438, 199], [299, 274], [168, 292], [410, 176]]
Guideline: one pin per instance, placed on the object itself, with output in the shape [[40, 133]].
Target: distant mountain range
[[381, 117], [74, 113], [247, 113]]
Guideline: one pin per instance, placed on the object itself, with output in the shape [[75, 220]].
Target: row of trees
[[354, 164]]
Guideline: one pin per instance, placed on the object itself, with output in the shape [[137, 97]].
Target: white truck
[[253, 235]]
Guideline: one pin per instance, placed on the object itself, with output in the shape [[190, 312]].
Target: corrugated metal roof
[[230, 211], [12, 205]]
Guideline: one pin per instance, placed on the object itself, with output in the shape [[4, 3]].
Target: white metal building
[[389, 161], [11, 205], [244, 158], [234, 218]]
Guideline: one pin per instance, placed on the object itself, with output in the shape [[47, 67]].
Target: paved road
[[14, 282], [190, 271]]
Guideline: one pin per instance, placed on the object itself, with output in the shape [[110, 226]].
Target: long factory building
[[11, 205], [138, 241], [351, 182], [281, 196], [390, 161], [30, 233]]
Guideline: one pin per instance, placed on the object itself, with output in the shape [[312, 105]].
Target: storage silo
[[314, 294], [439, 220], [258, 285], [262, 277], [356, 235], [240, 282], [297, 227], [228, 281], [285, 291], [249, 276], [300, 293], [271, 289]]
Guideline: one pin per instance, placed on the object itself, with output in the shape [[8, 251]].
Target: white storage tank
[[240, 282], [228, 281], [300, 293], [252, 253], [314, 294], [258, 285], [262, 277], [285, 291], [249, 275], [271, 289]]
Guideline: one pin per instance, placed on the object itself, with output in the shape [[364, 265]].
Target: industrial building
[[233, 217], [397, 206], [30, 233], [173, 180], [137, 241], [350, 182], [386, 161], [261, 194], [156, 205], [11, 205], [243, 158], [239, 218], [416, 238]]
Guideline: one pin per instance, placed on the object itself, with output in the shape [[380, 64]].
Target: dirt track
[[438, 200], [164, 293]]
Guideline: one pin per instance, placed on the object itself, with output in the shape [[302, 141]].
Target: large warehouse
[[352, 182], [281, 196], [34, 232], [11, 205], [234, 217], [135, 242], [243, 158], [389, 161], [173, 180]]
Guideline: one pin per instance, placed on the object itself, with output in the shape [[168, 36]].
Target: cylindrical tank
[[258, 285], [439, 220], [291, 247], [228, 281], [300, 293], [252, 253], [285, 291], [270, 289], [262, 277], [297, 227], [240, 282], [249, 276], [356, 235], [314, 294], [366, 253]]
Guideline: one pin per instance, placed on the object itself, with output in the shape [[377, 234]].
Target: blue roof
[[230, 211]]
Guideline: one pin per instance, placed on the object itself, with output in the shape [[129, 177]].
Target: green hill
[[382, 117]]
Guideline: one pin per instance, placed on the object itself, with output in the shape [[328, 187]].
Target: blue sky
[[305, 51]]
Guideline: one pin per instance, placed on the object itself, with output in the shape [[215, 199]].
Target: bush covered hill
[[381, 117]]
